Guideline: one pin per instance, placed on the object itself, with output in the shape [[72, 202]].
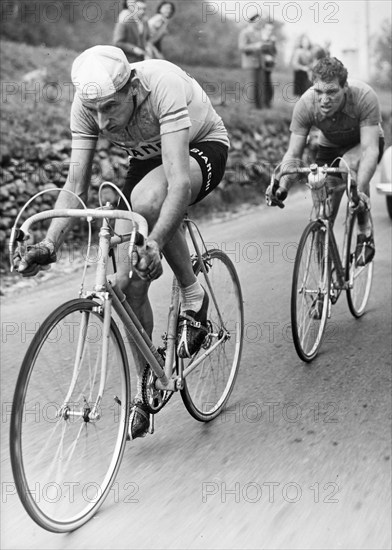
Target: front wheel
[[66, 445], [310, 291], [208, 386], [359, 277]]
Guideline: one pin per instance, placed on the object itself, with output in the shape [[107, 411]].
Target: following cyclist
[[178, 149], [347, 113]]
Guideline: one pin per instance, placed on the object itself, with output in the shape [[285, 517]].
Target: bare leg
[[147, 199], [352, 159]]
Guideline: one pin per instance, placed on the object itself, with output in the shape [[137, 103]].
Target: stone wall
[[253, 154]]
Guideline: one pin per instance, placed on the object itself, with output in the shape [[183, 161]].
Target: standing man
[[348, 116], [268, 58], [250, 44], [131, 32]]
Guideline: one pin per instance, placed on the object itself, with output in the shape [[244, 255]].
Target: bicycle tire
[[310, 291], [208, 387], [359, 277], [64, 465]]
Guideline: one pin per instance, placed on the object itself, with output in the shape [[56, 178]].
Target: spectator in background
[[131, 32], [302, 62], [158, 27], [319, 52], [249, 44], [268, 59]]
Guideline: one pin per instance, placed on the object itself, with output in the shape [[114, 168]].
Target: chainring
[[153, 399]]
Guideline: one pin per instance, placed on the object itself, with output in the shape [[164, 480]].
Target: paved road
[[302, 456]]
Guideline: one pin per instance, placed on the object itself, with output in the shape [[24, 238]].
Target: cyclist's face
[[113, 114], [329, 96]]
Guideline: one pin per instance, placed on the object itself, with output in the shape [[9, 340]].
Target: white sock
[[192, 297]]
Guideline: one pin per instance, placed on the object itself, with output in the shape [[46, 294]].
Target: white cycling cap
[[100, 72]]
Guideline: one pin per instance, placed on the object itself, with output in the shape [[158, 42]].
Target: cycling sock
[[192, 297]]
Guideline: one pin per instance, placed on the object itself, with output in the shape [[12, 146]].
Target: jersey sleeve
[[301, 122], [84, 128], [369, 108], [170, 98]]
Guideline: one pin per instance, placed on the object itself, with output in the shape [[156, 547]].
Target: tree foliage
[[382, 47]]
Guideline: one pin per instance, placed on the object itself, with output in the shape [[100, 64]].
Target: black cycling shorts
[[326, 155], [210, 155]]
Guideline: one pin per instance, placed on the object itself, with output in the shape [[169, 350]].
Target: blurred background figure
[[249, 44], [321, 51], [131, 32], [268, 60], [301, 62], [158, 27]]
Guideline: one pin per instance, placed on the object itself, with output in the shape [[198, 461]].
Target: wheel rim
[[359, 277], [65, 458], [210, 384], [310, 293]]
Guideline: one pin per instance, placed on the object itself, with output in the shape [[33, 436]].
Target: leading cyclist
[[347, 113], [178, 149]]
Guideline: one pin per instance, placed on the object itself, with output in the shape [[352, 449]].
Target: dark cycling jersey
[[167, 100]]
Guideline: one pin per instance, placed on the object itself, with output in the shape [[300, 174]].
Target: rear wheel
[[359, 277], [310, 291], [65, 453], [209, 385]]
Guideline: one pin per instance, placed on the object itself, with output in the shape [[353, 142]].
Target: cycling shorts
[[210, 155], [327, 155]]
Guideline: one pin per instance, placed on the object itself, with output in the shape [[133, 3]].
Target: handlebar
[[314, 169], [140, 224]]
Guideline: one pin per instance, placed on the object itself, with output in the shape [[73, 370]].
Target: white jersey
[[167, 100]]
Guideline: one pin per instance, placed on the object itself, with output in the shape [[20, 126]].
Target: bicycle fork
[[89, 412]]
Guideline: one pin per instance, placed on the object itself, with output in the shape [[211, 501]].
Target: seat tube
[[172, 327]]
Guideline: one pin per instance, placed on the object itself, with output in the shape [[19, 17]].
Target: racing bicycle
[[321, 270], [70, 413]]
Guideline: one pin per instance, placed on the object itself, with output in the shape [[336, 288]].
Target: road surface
[[302, 456]]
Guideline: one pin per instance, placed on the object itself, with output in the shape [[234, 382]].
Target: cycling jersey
[[167, 100], [360, 108]]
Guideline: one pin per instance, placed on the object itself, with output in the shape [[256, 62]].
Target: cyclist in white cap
[[178, 148]]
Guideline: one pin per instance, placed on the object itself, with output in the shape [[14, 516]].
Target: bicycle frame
[[111, 296], [338, 260]]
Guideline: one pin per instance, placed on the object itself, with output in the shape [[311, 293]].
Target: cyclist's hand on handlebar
[[148, 261], [275, 195], [36, 257]]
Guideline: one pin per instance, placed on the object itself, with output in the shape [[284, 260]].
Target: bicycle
[[70, 413], [320, 271]]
